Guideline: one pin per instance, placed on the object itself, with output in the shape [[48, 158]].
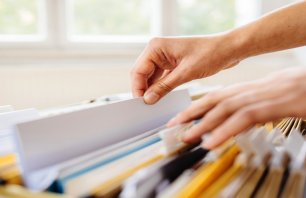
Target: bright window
[[110, 17], [20, 19], [205, 16], [62, 23]]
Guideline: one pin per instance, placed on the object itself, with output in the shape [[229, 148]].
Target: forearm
[[282, 29]]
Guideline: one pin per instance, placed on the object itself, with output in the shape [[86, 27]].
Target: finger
[[141, 72], [164, 86], [157, 75], [246, 118], [139, 84], [229, 106], [195, 110], [207, 102], [222, 111], [140, 76], [149, 67], [195, 133]]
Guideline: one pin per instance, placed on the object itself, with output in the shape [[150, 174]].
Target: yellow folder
[[204, 177]]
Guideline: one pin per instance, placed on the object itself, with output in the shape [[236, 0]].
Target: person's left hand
[[237, 108]]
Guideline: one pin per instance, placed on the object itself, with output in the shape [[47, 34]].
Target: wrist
[[238, 44]]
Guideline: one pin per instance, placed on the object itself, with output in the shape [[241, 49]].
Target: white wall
[[44, 84]]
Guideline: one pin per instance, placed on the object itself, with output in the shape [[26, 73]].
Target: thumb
[[162, 87]]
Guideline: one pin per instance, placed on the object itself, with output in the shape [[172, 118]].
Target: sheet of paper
[[8, 120], [50, 141], [7, 145]]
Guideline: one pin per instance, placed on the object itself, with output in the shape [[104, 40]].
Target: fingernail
[[151, 97], [172, 122]]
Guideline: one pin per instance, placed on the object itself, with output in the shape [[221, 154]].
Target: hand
[[236, 109], [169, 62]]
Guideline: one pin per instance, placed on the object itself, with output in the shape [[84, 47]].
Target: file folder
[[124, 149], [48, 143]]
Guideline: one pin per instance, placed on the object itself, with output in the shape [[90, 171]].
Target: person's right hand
[[169, 62]]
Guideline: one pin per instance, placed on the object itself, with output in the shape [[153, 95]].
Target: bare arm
[[235, 109], [282, 29], [169, 62]]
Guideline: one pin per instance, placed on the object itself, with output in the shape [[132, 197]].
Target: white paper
[[53, 140], [7, 145], [7, 123], [9, 119]]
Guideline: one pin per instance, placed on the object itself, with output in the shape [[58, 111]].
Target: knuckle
[[226, 106], [156, 42], [250, 115], [164, 63], [249, 97], [182, 78], [184, 115], [211, 97], [164, 86]]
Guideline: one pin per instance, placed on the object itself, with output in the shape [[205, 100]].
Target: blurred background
[[57, 52]]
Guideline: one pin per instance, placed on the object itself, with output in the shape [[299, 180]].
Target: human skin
[[235, 109], [169, 62]]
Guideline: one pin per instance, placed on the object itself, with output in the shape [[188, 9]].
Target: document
[[7, 121], [48, 142]]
